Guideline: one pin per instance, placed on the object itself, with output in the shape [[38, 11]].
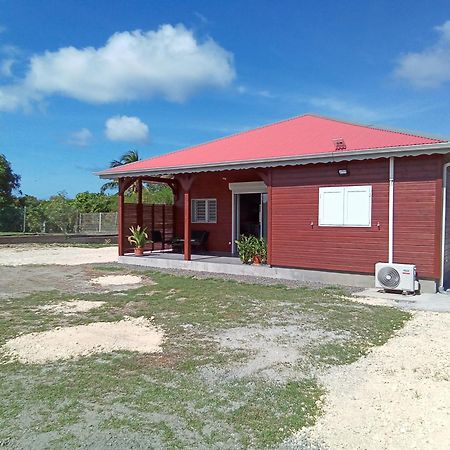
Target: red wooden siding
[[294, 206], [418, 213], [295, 197], [155, 217], [417, 206]]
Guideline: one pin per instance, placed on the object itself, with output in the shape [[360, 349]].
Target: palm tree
[[127, 158]]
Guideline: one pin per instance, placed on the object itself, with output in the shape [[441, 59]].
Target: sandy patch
[[116, 280], [66, 256], [397, 397], [71, 307], [132, 334]]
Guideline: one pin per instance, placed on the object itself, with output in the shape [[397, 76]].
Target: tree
[[90, 202], [9, 182], [127, 158], [60, 214], [158, 193]]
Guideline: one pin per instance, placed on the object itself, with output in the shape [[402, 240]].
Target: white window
[[204, 210], [348, 206]]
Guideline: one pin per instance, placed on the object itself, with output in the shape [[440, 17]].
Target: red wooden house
[[329, 196]]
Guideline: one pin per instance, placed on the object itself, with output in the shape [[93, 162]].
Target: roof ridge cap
[[378, 128], [308, 114]]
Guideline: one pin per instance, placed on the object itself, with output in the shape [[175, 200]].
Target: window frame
[[207, 207], [345, 204]]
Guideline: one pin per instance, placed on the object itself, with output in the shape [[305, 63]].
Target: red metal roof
[[300, 136]]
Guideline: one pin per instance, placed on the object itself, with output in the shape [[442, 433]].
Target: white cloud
[[169, 62], [125, 128], [245, 90], [429, 68], [80, 138]]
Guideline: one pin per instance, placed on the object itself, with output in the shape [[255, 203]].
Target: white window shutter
[[358, 206], [212, 211], [198, 210], [331, 206]]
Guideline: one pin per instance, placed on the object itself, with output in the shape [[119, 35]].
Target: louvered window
[[204, 210]]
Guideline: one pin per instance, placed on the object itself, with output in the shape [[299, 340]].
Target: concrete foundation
[[233, 266]]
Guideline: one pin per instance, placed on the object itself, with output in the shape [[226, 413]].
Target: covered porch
[[220, 205]]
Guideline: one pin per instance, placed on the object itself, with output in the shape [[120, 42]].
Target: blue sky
[[83, 82]]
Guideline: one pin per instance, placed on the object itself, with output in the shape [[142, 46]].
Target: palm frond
[[129, 157], [109, 186]]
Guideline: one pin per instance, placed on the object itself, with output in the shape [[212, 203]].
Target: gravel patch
[[71, 307], [397, 397], [66, 256], [117, 280], [131, 334]]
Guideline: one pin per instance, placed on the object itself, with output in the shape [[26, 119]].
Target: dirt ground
[[19, 281], [397, 396], [26, 254]]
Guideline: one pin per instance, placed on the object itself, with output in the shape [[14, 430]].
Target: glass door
[[251, 215]]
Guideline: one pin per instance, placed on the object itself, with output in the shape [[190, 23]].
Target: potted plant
[[252, 250], [138, 239], [259, 251], [244, 246]]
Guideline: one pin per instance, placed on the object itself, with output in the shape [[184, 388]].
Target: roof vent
[[339, 144]]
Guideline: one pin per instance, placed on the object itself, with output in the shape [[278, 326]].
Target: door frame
[[250, 187]]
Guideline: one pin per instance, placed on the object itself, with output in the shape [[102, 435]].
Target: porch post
[[187, 225], [120, 213], [185, 182], [269, 218], [139, 206]]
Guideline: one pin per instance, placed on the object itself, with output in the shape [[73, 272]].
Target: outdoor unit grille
[[396, 277]]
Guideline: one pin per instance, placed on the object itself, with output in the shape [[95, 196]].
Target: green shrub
[[251, 246]]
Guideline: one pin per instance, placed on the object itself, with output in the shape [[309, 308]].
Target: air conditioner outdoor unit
[[396, 277]]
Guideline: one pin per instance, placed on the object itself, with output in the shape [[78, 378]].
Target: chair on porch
[[199, 241], [157, 238]]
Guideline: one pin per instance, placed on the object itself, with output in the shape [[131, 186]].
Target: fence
[[34, 220], [103, 223], [159, 221]]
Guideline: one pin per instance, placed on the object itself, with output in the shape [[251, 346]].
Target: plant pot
[[256, 260], [139, 251]]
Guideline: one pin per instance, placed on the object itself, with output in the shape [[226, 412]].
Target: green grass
[[168, 399]]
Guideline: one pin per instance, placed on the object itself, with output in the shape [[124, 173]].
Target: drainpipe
[[444, 219], [391, 210]]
